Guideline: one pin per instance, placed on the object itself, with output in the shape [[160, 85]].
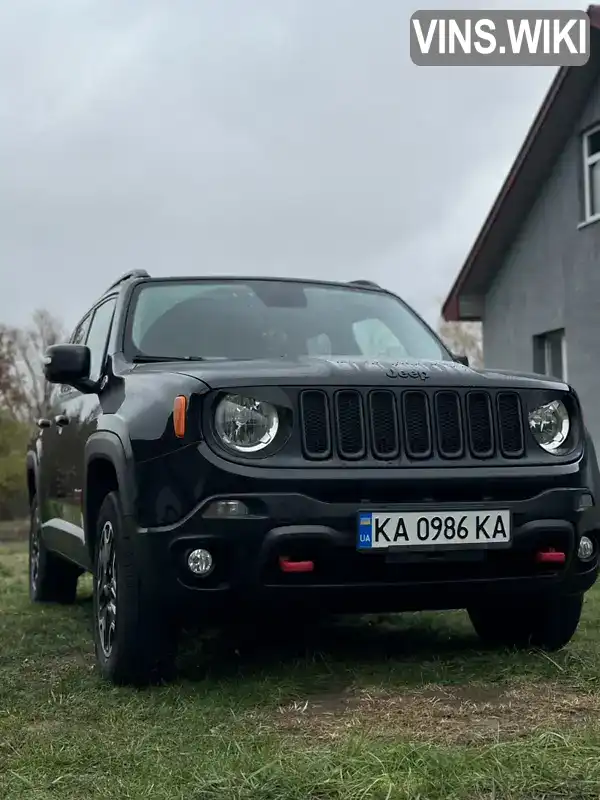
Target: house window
[[550, 354], [591, 174]]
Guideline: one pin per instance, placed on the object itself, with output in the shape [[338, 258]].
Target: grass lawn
[[14, 530], [406, 707]]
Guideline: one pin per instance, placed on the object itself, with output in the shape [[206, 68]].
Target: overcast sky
[[290, 137]]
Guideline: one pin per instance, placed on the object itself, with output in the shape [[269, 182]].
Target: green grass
[[14, 530], [406, 707]]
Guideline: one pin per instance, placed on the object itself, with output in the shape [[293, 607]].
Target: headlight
[[245, 424], [550, 425]]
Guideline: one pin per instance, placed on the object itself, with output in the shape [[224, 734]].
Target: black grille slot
[[350, 424], [415, 407], [436, 424], [510, 424], [449, 427], [479, 418], [385, 440], [316, 438]]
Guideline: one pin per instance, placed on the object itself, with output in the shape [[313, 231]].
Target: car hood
[[332, 371]]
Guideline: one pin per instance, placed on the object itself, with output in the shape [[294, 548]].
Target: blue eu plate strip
[[365, 531]]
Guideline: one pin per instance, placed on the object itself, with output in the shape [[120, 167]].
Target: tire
[[51, 578], [548, 624], [134, 641]]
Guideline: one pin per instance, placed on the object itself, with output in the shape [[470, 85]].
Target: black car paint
[[166, 483]]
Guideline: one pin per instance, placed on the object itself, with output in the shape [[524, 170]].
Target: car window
[[265, 318], [97, 338], [319, 345], [81, 331], [158, 303], [376, 340]]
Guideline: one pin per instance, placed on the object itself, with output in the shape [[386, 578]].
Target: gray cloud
[[281, 136]]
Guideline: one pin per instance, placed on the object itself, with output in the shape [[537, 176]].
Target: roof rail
[[370, 284], [133, 273]]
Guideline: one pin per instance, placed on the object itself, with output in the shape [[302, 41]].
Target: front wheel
[[134, 642], [548, 623]]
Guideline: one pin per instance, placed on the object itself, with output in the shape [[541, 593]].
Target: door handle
[[61, 420], [43, 423]]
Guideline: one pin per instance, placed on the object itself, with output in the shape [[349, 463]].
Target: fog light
[[226, 508], [200, 562], [585, 551]]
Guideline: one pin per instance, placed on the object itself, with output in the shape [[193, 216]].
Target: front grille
[[510, 424], [481, 426], [350, 424], [316, 436], [417, 425], [411, 425], [449, 428], [383, 417]]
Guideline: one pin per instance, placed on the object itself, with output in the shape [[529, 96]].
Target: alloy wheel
[[106, 589], [34, 549]]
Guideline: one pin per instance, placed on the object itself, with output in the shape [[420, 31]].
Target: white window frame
[[563, 347], [588, 161], [548, 354]]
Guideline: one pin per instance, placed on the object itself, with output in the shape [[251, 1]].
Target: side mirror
[[68, 364], [464, 360]]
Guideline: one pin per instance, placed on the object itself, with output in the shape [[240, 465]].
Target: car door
[[55, 467], [50, 486]]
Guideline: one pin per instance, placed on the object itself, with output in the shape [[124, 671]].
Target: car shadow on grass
[[396, 650], [411, 649]]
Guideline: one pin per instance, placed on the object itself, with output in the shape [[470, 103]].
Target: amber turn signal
[[179, 413]]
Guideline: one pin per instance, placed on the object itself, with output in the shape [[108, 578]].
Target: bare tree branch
[[463, 339], [24, 393]]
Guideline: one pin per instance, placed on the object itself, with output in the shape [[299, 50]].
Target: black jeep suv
[[219, 446]]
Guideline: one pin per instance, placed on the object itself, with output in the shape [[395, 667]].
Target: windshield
[[258, 319]]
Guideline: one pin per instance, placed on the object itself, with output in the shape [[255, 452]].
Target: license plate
[[380, 530]]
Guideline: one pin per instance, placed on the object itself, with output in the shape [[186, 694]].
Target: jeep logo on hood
[[399, 370]]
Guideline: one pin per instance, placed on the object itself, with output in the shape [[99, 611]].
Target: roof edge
[[450, 309], [451, 306]]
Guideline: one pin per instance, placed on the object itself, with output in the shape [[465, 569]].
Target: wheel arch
[[31, 471], [108, 467], [590, 472], [592, 467]]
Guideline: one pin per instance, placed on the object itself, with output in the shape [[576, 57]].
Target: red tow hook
[[550, 556], [287, 565]]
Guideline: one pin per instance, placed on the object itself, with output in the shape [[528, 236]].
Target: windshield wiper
[[143, 359]]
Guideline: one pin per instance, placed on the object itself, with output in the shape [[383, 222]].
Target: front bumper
[[247, 551]]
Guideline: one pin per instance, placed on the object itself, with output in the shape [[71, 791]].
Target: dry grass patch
[[442, 714]]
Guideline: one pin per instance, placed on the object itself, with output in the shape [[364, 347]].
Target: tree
[[463, 339], [24, 392], [13, 487], [13, 395], [24, 397]]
